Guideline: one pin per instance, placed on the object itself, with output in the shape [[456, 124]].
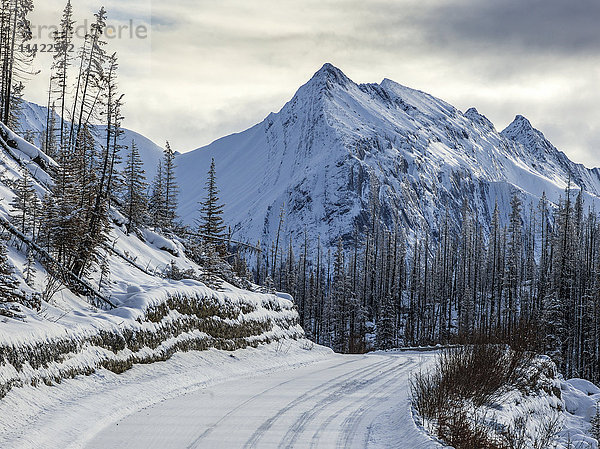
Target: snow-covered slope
[[32, 117], [336, 141], [55, 333]]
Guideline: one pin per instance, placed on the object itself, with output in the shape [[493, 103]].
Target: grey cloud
[[565, 27]]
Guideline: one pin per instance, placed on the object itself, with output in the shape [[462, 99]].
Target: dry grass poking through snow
[[489, 396]]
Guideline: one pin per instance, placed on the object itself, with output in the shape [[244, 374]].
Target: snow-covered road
[[341, 402]]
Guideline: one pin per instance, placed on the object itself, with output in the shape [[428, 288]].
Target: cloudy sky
[[211, 68]]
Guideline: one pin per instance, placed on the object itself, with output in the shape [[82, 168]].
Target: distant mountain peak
[[338, 146], [474, 115], [331, 73], [522, 131], [519, 126]]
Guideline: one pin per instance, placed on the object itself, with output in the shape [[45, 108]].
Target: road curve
[[350, 401]]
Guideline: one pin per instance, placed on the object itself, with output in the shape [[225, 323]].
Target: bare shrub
[[516, 436], [479, 373], [464, 377], [467, 432]]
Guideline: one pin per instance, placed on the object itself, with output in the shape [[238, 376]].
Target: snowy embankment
[[149, 326], [581, 401], [467, 400]]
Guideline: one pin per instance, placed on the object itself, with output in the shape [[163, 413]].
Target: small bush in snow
[[458, 396]]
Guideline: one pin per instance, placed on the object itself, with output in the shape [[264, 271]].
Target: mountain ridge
[[337, 141]]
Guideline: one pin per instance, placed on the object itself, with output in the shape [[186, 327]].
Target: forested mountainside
[[93, 272], [395, 219]]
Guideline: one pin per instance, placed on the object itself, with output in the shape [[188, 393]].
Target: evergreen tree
[[8, 282], [339, 306], [156, 205], [169, 186], [90, 80], [211, 225], [63, 38], [386, 325], [134, 201], [14, 57], [29, 270], [49, 146], [24, 205], [514, 260], [211, 264]]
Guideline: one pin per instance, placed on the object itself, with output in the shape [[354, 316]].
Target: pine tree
[[211, 225], [514, 260], [49, 146], [14, 59], [169, 186], [24, 204], [104, 273], [114, 131], [385, 325], [276, 243], [90, 79], [211, 264], [156, 205], [8, 282], [339, 307], [135, 201], [63, 38], [29, 270]]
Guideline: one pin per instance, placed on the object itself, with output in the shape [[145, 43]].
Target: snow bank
[[150, 325], [539, 410], [581, 399], [160, 242], [27, 155]]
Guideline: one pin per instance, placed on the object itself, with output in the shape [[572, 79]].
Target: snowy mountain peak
[[330, 74], [540, 150], [474, 115], [520, 119], [472, 112], [521, 130], [338, 147], [520, 126]]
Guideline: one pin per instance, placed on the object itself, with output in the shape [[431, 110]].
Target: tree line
[[378, 289]]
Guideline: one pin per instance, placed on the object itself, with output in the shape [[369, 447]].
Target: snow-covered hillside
[[56, 331], [336, 141]]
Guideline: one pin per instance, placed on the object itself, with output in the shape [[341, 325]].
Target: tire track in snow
[[350, 424], [359, 410], [342, 390], [330, 385], [194, 444]]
